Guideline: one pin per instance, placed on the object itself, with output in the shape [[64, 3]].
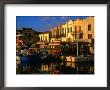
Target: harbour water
[[55, 65]]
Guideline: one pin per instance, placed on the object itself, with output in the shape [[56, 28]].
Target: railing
[[63, 35], [55, 36], [77, 32]]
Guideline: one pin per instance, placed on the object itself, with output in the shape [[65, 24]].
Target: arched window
[[89, 27]]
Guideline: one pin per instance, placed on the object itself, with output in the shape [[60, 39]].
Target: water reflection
[[51, 66]]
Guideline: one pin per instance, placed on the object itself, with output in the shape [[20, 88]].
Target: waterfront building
[[73, 35], [55, 34], [27, 31], [44, 37], [63, 32], [76, 34], [55, 40], [85, 29], [89, 32], [83, 34], [19, 38], [29, 36], [43, 42], [69, 30]]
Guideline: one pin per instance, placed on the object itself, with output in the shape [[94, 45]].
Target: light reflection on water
[[62, 67]]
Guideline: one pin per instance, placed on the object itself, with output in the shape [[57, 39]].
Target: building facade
[[74, 36], [27, 36], [19, 38], [44, 37], [73, 31]]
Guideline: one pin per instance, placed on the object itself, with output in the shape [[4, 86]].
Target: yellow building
[[44, 37], [73, 31], [43, 40], [88, 28], [55, 38], [88, 25], [66, 31], [54, 35], [63, 32], [79, 30], [69, 30], [83, 29]]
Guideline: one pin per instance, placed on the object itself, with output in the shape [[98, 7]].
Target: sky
[[42, 23]]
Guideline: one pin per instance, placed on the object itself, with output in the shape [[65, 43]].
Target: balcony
[[55, 36], [82, 40], [63, 35], [77, 32]]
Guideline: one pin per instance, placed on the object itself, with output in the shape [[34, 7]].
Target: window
[[65, 30], [68, 30], [25, 33], [54, 32], [79, 28], [89, 27], [62, 30], [75, 29], [59, 32], [41, 38], [46, 38], [75, 36], [20, 38], [71, 29], [55, 46], [29, 34], [68, 39], [81, 36], [89, 36]]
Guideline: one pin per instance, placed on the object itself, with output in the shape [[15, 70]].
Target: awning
[[54, 43], [40, 43]]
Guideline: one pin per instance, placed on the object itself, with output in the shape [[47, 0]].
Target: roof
[[44, 32]]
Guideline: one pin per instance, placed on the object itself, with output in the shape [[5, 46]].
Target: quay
[[78, 58]]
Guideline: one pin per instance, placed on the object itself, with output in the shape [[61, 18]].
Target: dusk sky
[[42, 23]]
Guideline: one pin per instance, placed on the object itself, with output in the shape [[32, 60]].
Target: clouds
[[66, 18], [53, 18], [44, 18], [50, 21], [42, 23]]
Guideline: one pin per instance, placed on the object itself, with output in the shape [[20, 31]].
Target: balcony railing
[[77, 32], [63, 35], [55, 36]]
